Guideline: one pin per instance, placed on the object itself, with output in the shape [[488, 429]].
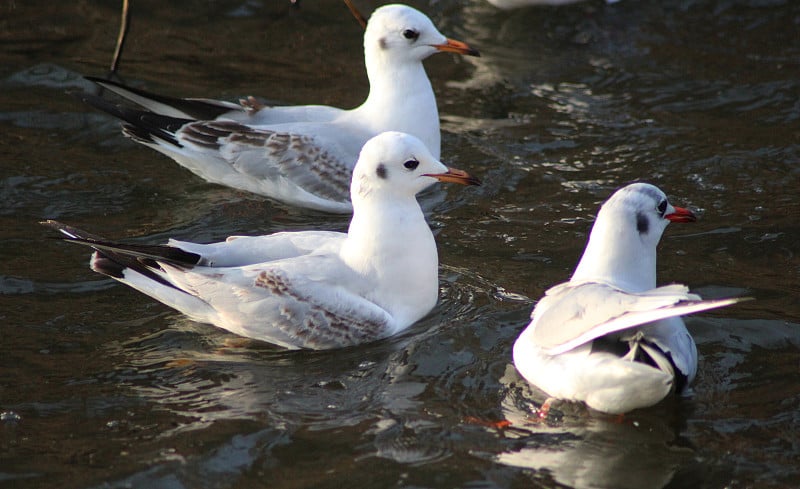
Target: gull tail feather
[[181, 108], [140, 125], [113, 259]]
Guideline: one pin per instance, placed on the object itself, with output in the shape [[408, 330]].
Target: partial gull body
[[609, 337], [310, 289], [301, 155]]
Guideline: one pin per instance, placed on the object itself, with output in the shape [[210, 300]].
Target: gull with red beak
[[609, 337], [301, 155], [308, 289]]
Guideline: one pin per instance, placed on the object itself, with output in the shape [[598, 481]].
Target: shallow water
[[102, 387]]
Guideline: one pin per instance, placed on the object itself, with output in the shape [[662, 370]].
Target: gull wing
[[305, 162], [316, 164], [183, 108], [574, 314], [307, 302], [248, 110], [239, 251]]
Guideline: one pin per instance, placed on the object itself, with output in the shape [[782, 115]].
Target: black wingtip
[[109, 264], [70, 231], [112, 259], [148, 254], [143, 126], [105, 265], [105, 81], [196, 109]]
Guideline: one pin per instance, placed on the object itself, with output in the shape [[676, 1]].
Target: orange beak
[[681, 215], [454, 175], [453, 46]]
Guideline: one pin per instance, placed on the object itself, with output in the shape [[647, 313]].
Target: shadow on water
[[102, 387]]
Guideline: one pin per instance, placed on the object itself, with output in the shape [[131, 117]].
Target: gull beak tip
[[453, 46], [681, 215], [454, 175]]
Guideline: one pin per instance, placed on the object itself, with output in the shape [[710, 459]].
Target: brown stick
[[125, 22], [353, 10]]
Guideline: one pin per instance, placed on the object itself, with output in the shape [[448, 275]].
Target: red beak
[[681, 215]]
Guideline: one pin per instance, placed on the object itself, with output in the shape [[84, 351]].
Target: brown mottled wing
[[323, 315], [317, 164], [308, 302]]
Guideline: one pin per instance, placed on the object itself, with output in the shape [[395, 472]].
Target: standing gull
[[609, 337], [301, 155], [310, 289]]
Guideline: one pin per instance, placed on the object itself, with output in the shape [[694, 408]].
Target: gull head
[[642, 210], [399, 165], [398, 33], [622, 244]]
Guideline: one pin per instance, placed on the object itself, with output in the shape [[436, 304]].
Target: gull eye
[[411, 164], [662, 207], [411, 34]]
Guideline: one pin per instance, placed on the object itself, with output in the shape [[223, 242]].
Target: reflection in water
[[48, 75], [204, 377], [591, 450], [191, 370], [228, 461]]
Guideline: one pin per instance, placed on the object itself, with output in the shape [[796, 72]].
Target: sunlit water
[[102, 387]]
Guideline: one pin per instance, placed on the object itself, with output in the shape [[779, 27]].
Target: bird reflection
[[585, 449]]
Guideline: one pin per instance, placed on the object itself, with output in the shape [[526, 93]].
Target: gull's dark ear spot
[[381, 171], [382, 43], [642, 224]]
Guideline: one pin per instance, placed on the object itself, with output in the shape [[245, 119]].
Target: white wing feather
[[293, 303], [239, 251], [321, 164], [574, 314]]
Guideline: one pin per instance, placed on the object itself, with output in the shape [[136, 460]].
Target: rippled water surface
[[102, 387]]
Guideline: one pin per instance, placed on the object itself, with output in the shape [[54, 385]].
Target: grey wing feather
[[323, 316], [573, 315], [269, 154], [298, 303], [239, 251]]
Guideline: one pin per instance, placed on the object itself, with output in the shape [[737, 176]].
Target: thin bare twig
[[125, 22], [353, 10]]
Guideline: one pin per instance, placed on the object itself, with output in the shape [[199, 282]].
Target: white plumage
[[309, 289], [302, 155], [609, 337]]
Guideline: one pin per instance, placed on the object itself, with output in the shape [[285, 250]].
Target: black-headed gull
[[609, 337], [301, 155], [310, 289]]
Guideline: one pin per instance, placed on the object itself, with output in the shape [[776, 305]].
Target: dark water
[[102, 387]]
